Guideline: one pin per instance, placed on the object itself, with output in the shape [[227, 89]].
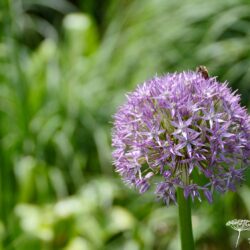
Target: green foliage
[[62, 75]]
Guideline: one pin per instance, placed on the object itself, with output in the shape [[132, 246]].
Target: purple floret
[[182, 130]]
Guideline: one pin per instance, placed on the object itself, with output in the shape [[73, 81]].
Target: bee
[[203, 71]]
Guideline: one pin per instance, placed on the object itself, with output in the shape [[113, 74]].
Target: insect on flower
[[203, 70]]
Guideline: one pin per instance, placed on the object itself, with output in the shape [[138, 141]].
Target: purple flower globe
[[182, 130]]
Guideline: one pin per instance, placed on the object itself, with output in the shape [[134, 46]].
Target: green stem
[[185, 222]]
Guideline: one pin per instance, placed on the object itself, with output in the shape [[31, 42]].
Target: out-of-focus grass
[[61, 79]]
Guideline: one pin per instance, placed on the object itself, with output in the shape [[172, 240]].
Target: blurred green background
[[64, 68]]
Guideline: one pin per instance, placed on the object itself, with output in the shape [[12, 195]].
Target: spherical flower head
[[182, 130]]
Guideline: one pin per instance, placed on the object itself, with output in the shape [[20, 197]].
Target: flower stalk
[[185, 221]]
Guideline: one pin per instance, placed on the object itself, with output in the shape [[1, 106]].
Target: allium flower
[[182, 130]]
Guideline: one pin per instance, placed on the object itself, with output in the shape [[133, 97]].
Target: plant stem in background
[[237, 242], [185, 223]]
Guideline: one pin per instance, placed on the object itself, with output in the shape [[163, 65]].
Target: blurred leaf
[[63, 73]]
